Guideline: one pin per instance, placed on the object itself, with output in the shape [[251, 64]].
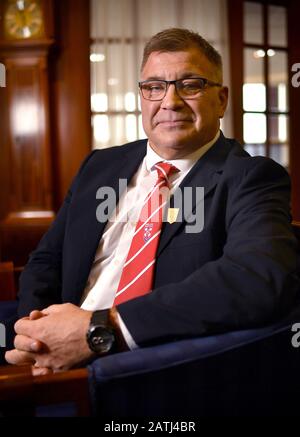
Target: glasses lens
[[153, 90], [190, 87]]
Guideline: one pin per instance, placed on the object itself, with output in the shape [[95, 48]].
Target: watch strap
[[100, 318]]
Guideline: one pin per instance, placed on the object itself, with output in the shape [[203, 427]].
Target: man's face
[[177, 127]]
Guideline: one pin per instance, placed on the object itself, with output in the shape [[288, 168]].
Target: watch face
[[23, 19], [100, 339]]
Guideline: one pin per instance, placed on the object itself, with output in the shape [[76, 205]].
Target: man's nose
[[172, 100]]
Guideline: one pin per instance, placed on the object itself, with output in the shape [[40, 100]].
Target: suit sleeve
[[41, 280], [254, 281]]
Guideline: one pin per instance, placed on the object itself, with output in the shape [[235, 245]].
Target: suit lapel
[[205, 173]]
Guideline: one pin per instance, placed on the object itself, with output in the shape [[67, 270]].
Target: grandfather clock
[[26, 211]]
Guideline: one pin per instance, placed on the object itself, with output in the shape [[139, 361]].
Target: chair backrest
[[7, 281]]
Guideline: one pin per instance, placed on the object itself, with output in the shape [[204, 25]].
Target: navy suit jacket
[[238, 272]]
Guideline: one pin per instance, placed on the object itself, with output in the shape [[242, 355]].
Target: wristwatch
[[100, 335]]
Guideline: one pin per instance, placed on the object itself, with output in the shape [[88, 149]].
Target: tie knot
[[164, 170]]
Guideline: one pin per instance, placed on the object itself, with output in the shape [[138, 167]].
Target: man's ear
[[223, 100]]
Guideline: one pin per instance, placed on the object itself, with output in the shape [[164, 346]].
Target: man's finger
[[17, 357], [27, 344], [38, 371], [36, 314], [24, 327]]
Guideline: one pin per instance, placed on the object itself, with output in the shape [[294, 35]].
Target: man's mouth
[[174, 122]]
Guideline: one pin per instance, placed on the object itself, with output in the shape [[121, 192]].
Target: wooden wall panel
[[294, 57], [4, 154], [70, 90], [235, 25]]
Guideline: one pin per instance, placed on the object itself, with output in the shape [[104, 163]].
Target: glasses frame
[[207, 82]]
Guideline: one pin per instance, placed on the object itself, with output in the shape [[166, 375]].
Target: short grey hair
[[177, 39]]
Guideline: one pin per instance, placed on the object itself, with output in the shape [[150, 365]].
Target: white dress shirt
[[114, 245]]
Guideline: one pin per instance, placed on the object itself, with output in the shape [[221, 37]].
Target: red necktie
[[138, 270]]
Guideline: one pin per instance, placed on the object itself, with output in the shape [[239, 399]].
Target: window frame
[[236, 40]]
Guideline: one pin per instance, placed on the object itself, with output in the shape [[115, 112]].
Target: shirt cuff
[[126, 334]]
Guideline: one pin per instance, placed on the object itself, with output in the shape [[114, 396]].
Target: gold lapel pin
[[172, 215]]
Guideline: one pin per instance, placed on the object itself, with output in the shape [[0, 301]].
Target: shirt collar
[[183, 164]]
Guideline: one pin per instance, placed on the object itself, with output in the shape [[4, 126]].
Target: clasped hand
[[52, 340]]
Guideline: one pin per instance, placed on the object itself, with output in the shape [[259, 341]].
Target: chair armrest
[[167, 355], [228, 374], [21, 392]]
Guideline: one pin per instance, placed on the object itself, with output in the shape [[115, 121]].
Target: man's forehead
[[192, 54], [186, 62]]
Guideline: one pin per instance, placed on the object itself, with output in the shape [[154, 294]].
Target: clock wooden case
[[26, 39]]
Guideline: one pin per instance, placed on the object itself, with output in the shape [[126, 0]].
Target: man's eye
[[190, 86], [154, 87]]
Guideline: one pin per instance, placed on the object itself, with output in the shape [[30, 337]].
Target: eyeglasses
[[188, 88]]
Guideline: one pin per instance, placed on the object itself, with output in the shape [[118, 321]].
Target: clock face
[[23, 19]]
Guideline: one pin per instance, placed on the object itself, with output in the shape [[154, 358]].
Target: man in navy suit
[[224, 262]]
